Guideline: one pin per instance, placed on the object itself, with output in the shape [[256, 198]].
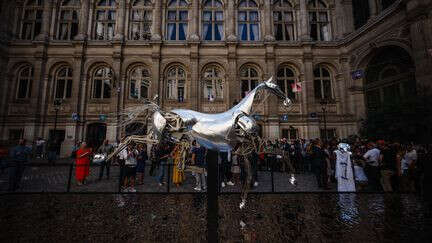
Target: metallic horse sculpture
[[235, 128]]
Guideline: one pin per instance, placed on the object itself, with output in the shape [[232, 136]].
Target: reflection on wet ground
[[295, 217]]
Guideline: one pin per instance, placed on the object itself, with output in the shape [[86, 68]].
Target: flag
[[296, 87], [358, 74]]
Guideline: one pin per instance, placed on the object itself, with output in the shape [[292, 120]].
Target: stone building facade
[[101, 56]]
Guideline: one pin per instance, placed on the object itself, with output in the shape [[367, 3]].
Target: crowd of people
[[376, 165]]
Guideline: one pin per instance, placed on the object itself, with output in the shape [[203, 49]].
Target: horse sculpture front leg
[[247, 182]]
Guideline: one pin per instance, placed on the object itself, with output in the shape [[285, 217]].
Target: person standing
[[198, 159], [225, 171], [162, 155], [408, 168], [82, 163], [19, 156], [178, 173], [318, 161], [52, 151], [40, 143], [130, 169], [105, 149], [141, 162], [344, 169], [372, 157], [388, 167]]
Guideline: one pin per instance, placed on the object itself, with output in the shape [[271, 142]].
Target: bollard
[[70, 178], [169, 176], [272, 178]]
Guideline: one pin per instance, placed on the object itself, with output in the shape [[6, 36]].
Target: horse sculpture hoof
[[242, 204]]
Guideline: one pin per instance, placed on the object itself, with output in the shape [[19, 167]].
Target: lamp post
[[324, 103], [57, 104]]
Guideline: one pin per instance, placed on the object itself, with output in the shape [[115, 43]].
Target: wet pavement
[[294, 217]]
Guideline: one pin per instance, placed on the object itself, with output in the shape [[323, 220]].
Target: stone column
[[348, 17], [43, 36], [338, 23], [193, 17], [83, 20], [307, 91], [90, 19], [194, 99], [267, 16], [373, 8], [157, 21], [232, 81], [230, 22], [54, 25], [120, 21], [421, 53], [272, 103], [304, 27]]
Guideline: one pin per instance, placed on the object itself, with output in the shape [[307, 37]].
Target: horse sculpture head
[[275, 89]]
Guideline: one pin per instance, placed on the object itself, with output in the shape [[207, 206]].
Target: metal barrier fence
[[60, 178]]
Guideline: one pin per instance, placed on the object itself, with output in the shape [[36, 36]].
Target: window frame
[[214, 79], [144, 10], [68, 22], [142, 80], [319, 24], [321, 80], [29, 84], [68, 81], [213, 22], [286, 80], [176, 78], [248, 79], [282, 9], [106, 21], [248, 22], [33, 21], [102, 78], [178, 10]]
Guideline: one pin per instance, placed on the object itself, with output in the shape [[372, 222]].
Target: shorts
[[130, 171]]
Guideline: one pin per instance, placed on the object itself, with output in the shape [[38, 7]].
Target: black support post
[[212, 196]]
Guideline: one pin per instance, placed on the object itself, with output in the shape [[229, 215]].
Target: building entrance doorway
[[96, 134]]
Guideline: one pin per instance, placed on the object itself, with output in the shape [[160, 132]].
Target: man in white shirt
[[372, 157], [407, 167]]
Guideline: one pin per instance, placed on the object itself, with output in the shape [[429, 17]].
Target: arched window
[[63, 81], [139, 82], [176, 83], [25, 81], [284, 20], [141, 20], [319, 23], [31, 22], [285, 80], [177, 20], [322, 83], [248, 21], [105, 18], [213, 20], [68, 19], [249, 79], [102, 81], [213, 79]]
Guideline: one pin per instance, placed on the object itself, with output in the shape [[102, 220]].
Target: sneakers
[[197, 188], [204, 188], [125, 189], [132, 189], [256, 184], [230, 183], [160, 184], [223, 184]]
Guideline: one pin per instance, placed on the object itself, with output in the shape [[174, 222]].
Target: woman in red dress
[[82, 163]]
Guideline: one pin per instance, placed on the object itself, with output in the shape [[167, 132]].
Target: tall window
[[322, 83], [213, 27], [102, 81], [31, 22], [248, 21], [68, 19], [213, 83], [283, 19], [139, 81], [63, 82], [105, 20], [25, 80], [319, 24], [141, 20], [176, 83], [177, 20], [285, 80], [249, 79]]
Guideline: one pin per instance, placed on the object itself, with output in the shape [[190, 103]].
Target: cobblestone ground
[[297, 217], [45, 178]]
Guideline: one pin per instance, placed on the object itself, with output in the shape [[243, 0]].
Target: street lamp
[[57, 104], [324, 103]]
